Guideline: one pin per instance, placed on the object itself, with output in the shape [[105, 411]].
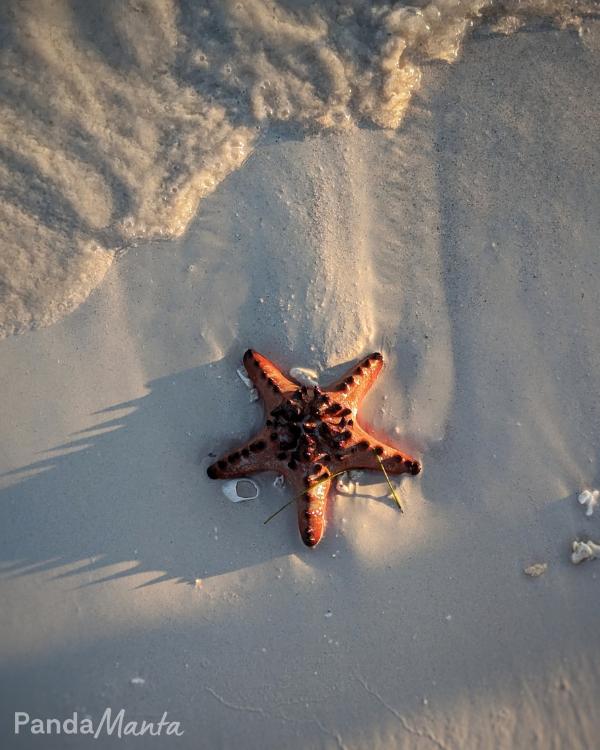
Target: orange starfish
[[311, 434]]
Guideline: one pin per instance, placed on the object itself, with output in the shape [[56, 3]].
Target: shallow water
[[117, 121]]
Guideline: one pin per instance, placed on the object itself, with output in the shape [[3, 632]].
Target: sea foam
[[117, 120]]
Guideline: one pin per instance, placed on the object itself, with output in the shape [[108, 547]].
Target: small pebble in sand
[[137, 681], [581, 551], [304, 376], [536, 570], [589, 498]]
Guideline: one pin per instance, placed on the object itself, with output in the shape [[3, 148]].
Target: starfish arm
[[312, 505], [251, 457], [268, 379], [358, 380], [363, 451]]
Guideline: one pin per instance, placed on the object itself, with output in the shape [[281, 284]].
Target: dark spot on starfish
[[248, 353], [377, 356], [276, 388], [346, 435], [222, 464], [342, 386], [297, 395], [304, 390], [270, 381], [245, 452], [293, 465], [258, 446], [326, 458], [263, 374], [349, 380], [362, 445], [234, 457], [282, 455], [345, 412], [379, 450], [415, 467], [317, 467], [273, 436], [339, 456], [269, 422]]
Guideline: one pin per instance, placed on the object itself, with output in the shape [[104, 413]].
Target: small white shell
[[279, 481], [304, 375], [248, 383], [231, 490]]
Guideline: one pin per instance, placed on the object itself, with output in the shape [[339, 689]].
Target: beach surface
[[464, 245]]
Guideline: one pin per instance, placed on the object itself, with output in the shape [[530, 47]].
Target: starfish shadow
[[131, 491], [129, 494]]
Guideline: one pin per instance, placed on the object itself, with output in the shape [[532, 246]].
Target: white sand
[[466, 247]]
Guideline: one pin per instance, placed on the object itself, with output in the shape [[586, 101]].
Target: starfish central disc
[[309, 435]]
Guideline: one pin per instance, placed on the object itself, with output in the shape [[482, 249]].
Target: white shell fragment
[[347, 483], [536, 570], [240, 490], [279, 481], [589, 498], [248, 383], [304, 375], [582, 551]]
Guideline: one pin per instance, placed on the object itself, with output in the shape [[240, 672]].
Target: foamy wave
[[118, 118]]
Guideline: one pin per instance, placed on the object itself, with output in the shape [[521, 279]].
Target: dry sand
[[465, 246]]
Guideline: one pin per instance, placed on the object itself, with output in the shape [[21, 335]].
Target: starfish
[[310, 435]]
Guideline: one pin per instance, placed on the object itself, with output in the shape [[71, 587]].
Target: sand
[[465, 247]]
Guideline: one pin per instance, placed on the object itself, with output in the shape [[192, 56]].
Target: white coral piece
[[584, 551], [589, 498]]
